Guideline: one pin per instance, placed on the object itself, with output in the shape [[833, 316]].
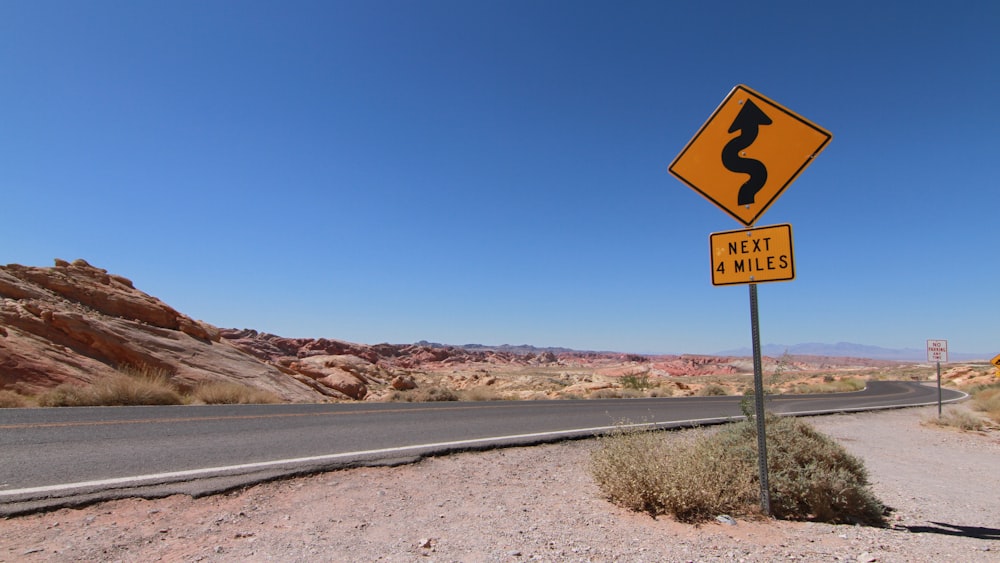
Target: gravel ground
[[540, 504]]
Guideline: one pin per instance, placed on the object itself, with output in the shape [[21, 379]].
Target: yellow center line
[[243, 417]]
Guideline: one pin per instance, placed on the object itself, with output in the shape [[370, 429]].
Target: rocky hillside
[[75, 323]]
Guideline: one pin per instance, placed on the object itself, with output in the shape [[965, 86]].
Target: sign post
[[758, 404], [996, 363], [741, 160], [937, 351]]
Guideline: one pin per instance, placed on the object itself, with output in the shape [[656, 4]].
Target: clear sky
[[496, 171]]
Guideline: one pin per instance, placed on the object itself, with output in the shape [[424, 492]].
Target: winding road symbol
[[747, 153], [748, 123]]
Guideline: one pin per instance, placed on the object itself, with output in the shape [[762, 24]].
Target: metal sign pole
[[939, 388], [758, 392]]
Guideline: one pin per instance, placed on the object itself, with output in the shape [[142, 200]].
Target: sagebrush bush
[[632, 468], [812, 477], [700, 475]]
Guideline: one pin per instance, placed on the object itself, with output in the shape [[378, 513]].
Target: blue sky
[[496, 172]]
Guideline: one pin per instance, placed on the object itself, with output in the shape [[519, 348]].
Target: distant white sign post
[[937, 351]]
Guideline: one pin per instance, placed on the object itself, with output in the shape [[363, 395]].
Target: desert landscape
[[75, 324], [72, 326]]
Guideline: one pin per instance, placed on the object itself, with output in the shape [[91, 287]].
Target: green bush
[[700, 475], [638, 381]]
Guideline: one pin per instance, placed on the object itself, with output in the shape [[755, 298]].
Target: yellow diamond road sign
[[747, 153], [756, 255]]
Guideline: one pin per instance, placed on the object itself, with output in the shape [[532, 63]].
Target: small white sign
[[937, 350]]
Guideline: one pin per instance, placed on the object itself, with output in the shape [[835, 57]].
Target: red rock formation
[[75, 323]]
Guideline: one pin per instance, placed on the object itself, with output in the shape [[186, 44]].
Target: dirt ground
[[540, 504]]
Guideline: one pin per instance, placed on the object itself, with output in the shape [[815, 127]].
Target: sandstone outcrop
[[75, 323]]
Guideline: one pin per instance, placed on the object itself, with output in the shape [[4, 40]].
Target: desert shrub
[[846, 385], [747, 405], [632, 468], [145, 386], [228, 393], [64, 395], [128, 386], [481, 394], [987, 400], [958, 418], [607, 393], [812, 477], [12, 400], [713, 390], [423, 395], [638, 381], [661, 391], [701, 475]]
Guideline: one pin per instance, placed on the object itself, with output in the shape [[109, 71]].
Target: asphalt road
[[66, 456]]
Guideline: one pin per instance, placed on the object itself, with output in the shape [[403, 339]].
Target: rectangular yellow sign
[[996, 361], [763, 254]]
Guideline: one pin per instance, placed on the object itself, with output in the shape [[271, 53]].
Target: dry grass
[[226, 393], [638, 381], [987, 400], [481, 394], [959, 418], [713, 390], [845, 385], [695, 476], [423, 395], [12, 400], [129, 386]]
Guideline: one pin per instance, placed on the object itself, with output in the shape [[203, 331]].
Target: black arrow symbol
[[748, 122]]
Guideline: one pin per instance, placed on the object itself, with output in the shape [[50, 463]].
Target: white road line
[[174, 476], [223, 470]]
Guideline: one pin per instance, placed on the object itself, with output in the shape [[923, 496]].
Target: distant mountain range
[[506, 348], [838, 350], [847, 349]]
